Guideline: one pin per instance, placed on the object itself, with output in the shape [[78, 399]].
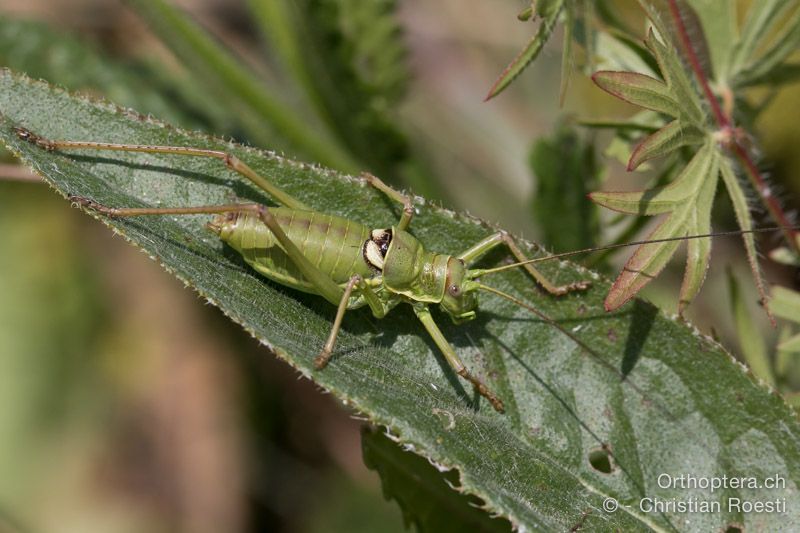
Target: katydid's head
[[460, 299]]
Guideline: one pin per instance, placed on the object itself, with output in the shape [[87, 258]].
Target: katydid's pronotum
[[347, 263]]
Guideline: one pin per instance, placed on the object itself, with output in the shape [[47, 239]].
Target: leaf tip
[[498, 86], [616, 298]]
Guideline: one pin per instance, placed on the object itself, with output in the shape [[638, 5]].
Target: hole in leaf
[[600, 460]]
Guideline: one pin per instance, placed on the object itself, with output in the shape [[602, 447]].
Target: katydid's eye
[[454, 290]]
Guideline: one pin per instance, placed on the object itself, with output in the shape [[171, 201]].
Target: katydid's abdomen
[[333, 244]]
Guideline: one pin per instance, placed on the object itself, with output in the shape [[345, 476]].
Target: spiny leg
[[408, 207], [327, 288], [453, 360], [501, 237], [230, 160], [375, 304], [324, 356]]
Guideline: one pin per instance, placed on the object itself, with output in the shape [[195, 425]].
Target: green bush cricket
[[348, 263]]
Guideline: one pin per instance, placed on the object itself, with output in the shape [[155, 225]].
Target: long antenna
[[483, 271], [573, 337]]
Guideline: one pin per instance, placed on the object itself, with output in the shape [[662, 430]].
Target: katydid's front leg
[[424, 315], [501, 237], [230, 160]]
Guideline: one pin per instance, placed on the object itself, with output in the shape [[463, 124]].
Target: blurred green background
[[128, 405]]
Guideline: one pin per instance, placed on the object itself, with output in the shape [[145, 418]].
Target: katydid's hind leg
[[326, 287], [408, 206], [502, 237], [122, 212], [230, 160], [424, 315]]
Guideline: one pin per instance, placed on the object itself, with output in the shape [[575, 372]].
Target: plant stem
[[751, 169]]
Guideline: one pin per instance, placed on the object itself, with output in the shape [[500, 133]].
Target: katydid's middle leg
[[324, 356], [408, 207], [378, 310], [501, 237]]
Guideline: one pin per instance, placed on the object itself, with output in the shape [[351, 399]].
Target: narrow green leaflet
[[657, 395], [679, 81], [664, 141], [745, 221], [786, 305], [751, 340], [674, 97], [698, 251], [768, 66], [689, 198], [548, 10], [638, 89], [720, 24], [621, 52], [679, 25], [758, 22], [688, 201]]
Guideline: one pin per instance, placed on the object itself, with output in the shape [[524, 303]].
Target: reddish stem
[[724, 122]]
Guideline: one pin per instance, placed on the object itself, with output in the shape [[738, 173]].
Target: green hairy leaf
[[425, 495], [631, 387], [621, 52]]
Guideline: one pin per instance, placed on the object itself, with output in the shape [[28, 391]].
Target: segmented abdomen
[[333, 244]]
